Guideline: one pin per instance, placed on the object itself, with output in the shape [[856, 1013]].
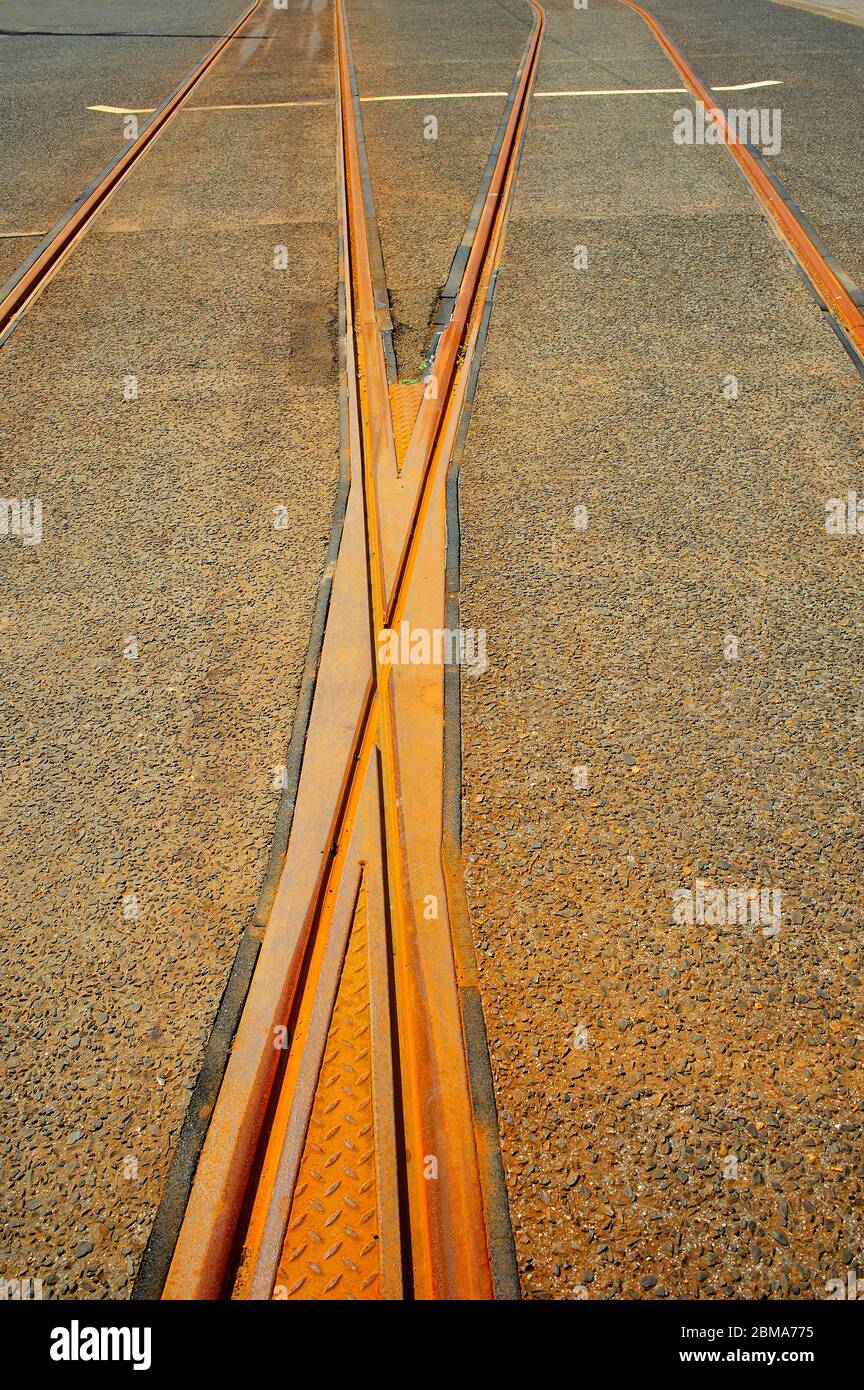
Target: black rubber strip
[[156, 1260], [496, 1207], [848, 346], [499, 1232], [857, 361], [447, 298], [300, 728], [853, 291], [502, 1250]]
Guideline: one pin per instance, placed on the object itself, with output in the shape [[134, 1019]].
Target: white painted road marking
[[442, 96]]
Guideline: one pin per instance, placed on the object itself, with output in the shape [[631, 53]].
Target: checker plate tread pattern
[[331, 1242]]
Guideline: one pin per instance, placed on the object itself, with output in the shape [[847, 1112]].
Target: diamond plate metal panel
[[331, 1243]]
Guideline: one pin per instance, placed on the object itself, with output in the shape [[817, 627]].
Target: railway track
[[838, 297], [350, 1153], [46, 258], [346, 1157]]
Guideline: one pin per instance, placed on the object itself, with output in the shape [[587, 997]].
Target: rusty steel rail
[[343, 1158], [840, 298], [28, 282]]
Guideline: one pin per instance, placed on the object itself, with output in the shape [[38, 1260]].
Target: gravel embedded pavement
[[172, 398], [673, 698], [427, 157], [819, 60], [57, 60], [673, 701]]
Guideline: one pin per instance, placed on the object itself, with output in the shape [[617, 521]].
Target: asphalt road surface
[[57, 60], [674, 685]]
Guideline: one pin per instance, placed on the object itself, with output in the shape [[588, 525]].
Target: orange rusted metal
[[444, 1200], [332, 1242], [405, 398], [317, 1181], [831, 288]]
